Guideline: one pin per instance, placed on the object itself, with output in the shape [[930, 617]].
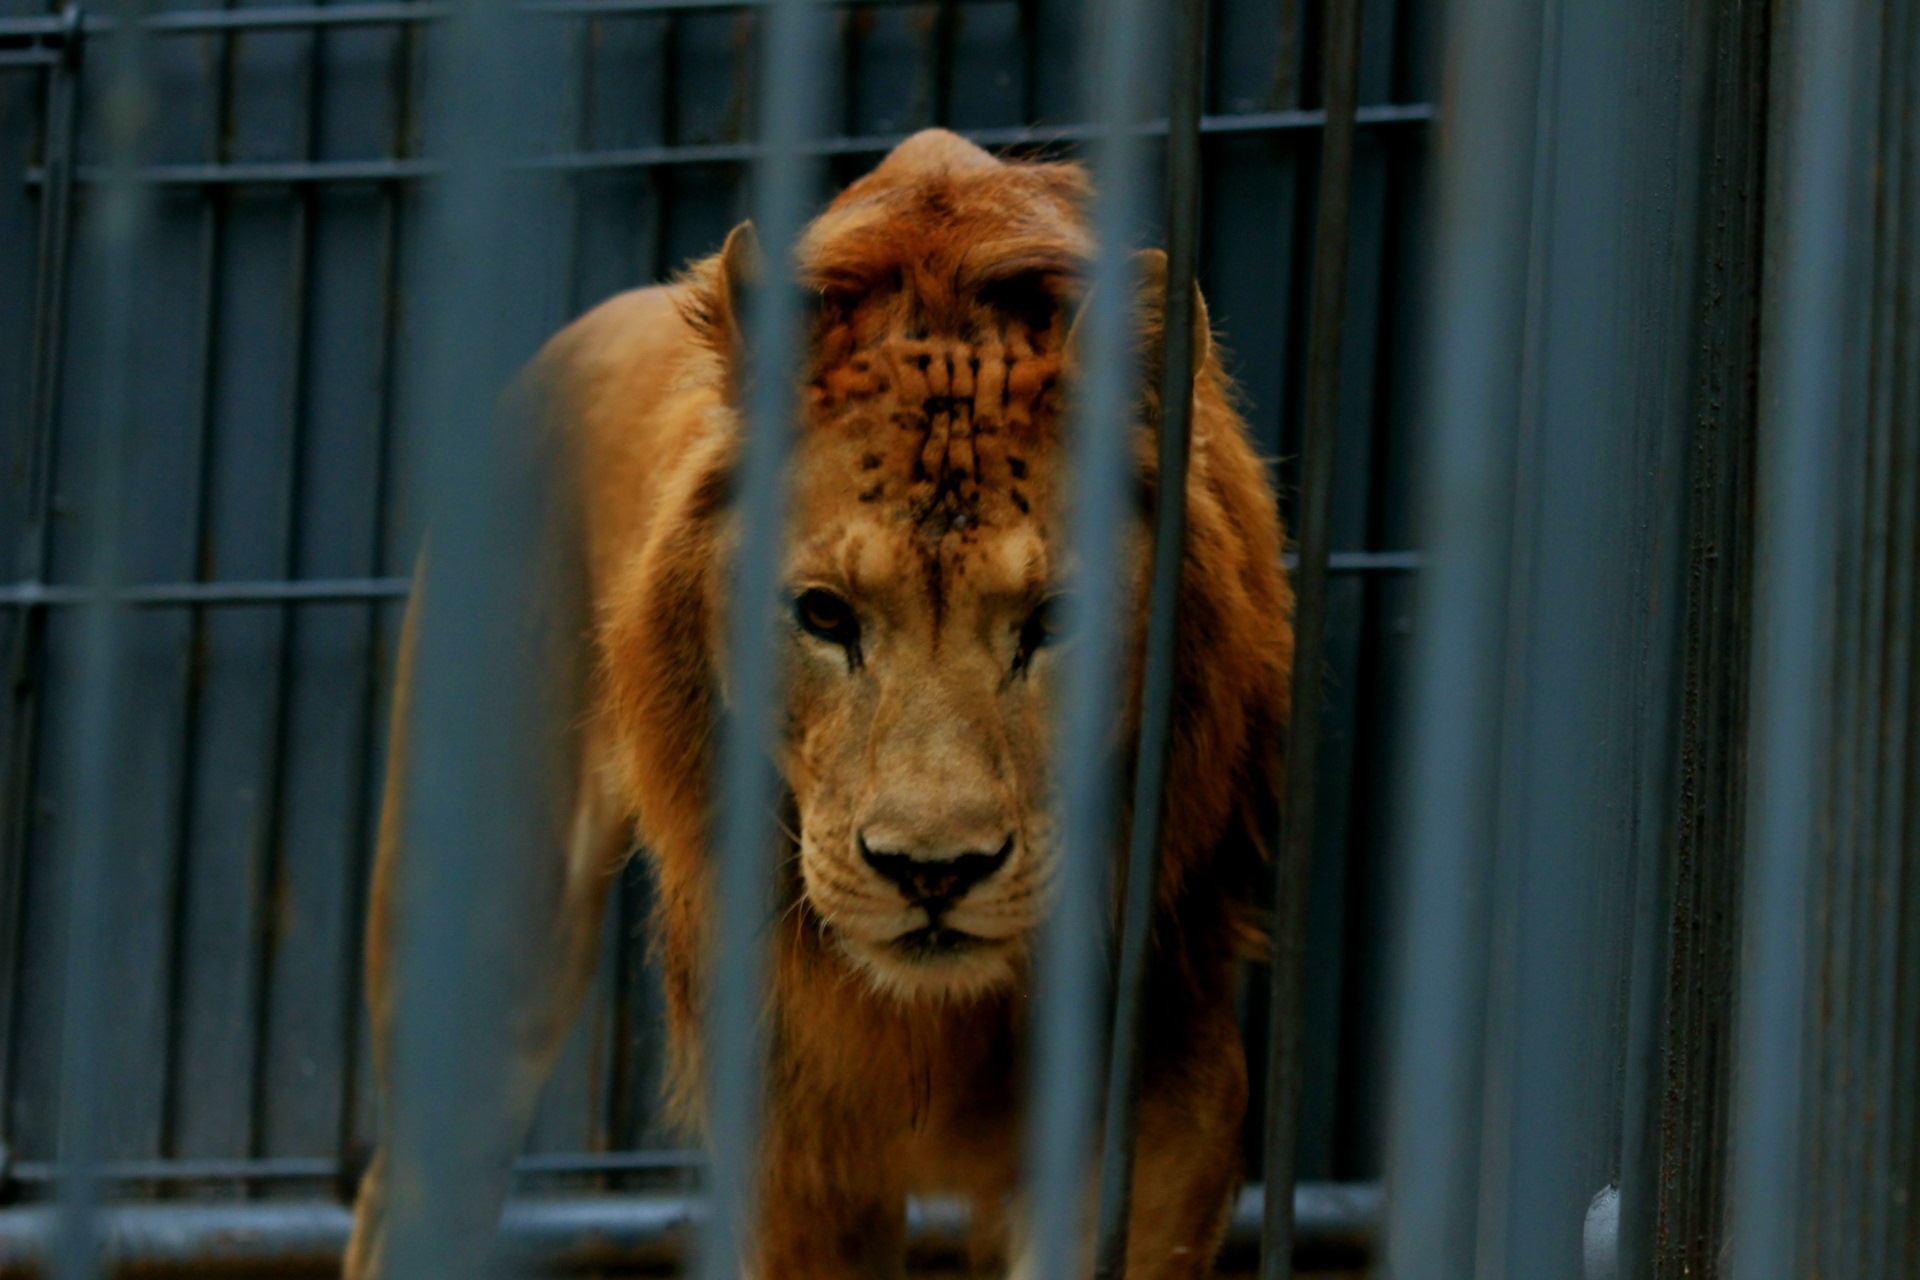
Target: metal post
[[1801, 423], [1069, 1001], [118, 228], [490, 752], [1294, 861], [748, 791], [1169, 556], [1482, 248]]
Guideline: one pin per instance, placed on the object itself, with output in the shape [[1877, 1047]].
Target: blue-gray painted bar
[[1474, 344], [118, 227], [1293, 860], [488, 752], [1144, 840], [748, 789], [1802, 420], [1337, 1223], [269, 172], [1070, 998]]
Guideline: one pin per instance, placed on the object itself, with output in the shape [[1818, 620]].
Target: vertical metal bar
[[213, 225], [1188, 89], [118, 227], [392, 197], [946, 36], [1801, 422], [271, 855], [1069, 1000], [1285, 93], [1294, 863], [1476, 350], [794, 35], [27, 654], [490, 760], [1029, 17], [50, 287]]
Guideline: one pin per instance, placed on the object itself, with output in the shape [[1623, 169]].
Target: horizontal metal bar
[[611, 1162], [1017, 136], [47, 1172], [602, 8], [275, 18], [380, 13], [28, 58], [303, 1168], [1337, 1224], [321, 590], [294, 591], [1369, 561], [378, 170], [267, 172]]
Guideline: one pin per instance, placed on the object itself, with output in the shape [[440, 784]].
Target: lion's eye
[[826, 615], [1043, 627]]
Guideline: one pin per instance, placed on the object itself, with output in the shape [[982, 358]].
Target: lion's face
[[925, 584]]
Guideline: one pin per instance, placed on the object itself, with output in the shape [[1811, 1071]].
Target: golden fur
[[927, 494]]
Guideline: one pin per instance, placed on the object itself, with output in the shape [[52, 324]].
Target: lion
[[925, 566]]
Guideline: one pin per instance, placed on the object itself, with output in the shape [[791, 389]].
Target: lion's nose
[[935, 881]]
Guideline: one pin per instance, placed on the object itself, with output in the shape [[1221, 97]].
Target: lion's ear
[[1150, 317], [721, 306], [718, 306]]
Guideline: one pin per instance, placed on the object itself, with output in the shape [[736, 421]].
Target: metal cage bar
[[1070, 995], [486, 743], [1804, 349], [27, 653], [118, 228], [744, 152], [1484, 226], [1293, 861], [748, 790], [1144, 839]]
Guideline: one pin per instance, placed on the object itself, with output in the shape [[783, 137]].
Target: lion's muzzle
[[935, 882]]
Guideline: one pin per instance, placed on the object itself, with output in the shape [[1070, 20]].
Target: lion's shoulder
[[625, 377]]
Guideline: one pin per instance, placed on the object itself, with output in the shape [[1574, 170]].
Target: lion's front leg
[[1187, 1158], [832, 1200]]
